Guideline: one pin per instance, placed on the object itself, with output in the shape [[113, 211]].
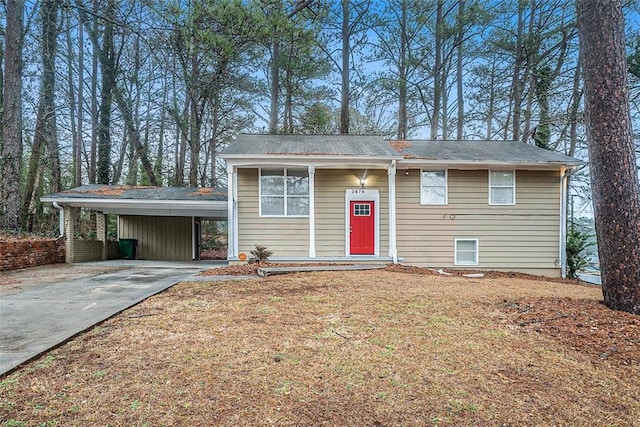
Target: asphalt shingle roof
[[99, 191], [480, 151], [309, 145], [258, 145]]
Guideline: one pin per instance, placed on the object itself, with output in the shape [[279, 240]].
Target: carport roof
[[146, 200]]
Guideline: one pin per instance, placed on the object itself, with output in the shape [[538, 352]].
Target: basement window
[[466, 252]]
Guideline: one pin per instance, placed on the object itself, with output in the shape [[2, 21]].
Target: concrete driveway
[[42, 307]]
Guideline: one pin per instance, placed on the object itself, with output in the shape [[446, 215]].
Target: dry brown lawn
[[375, 348]]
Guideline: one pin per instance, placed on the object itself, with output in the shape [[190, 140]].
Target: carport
[[164, 221]]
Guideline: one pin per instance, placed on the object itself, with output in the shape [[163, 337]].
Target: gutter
[[61, 217], [482, 164]]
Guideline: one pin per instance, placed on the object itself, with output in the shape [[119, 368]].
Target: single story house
[[481, 205], [443, 204]]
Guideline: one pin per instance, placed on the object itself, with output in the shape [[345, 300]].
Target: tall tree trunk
[[445, 101], [288, 103], [274, 88], [402, 75], [614, 174], [157, 168], [12, 118], [542, 133], [515, 101], [45, 135], [95, 110], [195, 119], [576, 98], [459, 70], [50, 33], [71, 93], [213, 146], [346, 51], [437, 75], [45, 118], [195, 128], [1, 103], [107, 61], [80, 103], [492, 100]]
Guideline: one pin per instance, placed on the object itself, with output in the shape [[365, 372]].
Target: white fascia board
[[469, 164], [143, 205], [220, 215], [243, 159]]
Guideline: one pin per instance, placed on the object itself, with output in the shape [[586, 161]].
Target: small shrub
[[577, 242], [261, 254]]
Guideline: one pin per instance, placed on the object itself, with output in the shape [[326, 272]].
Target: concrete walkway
[[35, 317], [268, 271]]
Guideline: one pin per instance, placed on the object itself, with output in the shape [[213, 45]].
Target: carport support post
[[101, 232], [69, 233]]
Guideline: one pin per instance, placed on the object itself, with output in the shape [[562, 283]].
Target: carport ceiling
[[146, 201]]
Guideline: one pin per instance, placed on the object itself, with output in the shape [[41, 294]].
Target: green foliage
[[213, 235], [577, 242], [318, 119], [261, 253]]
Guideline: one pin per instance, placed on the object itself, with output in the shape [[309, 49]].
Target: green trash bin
[[127, 248]]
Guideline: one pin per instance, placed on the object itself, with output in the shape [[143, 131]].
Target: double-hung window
[[433, 188], [502, 187], [466, 252], [284, 192]]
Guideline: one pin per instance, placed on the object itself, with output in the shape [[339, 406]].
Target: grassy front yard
[[371, 348]]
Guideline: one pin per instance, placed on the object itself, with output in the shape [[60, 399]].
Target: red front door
[[363, 226]]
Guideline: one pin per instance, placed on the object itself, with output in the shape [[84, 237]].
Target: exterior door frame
[[355, 194]]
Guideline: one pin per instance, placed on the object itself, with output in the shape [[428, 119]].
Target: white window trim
[[285, 196], [446, 187], [455, 252], [513, 200]]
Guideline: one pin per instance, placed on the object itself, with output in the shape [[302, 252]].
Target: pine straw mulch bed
[[370, 348]]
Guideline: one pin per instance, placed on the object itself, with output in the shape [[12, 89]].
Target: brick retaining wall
[[25, 253]]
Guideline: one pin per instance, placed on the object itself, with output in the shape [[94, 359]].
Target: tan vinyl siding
[[331, 186], [523, 237], [289, 236], [286, 236], [159, 237]]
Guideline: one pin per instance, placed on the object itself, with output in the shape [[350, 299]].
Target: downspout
[[60, 218], [230, 213], [563, 223], [312, 211], [393, 247]]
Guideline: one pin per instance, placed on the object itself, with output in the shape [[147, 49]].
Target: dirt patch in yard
[[371, 348]]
